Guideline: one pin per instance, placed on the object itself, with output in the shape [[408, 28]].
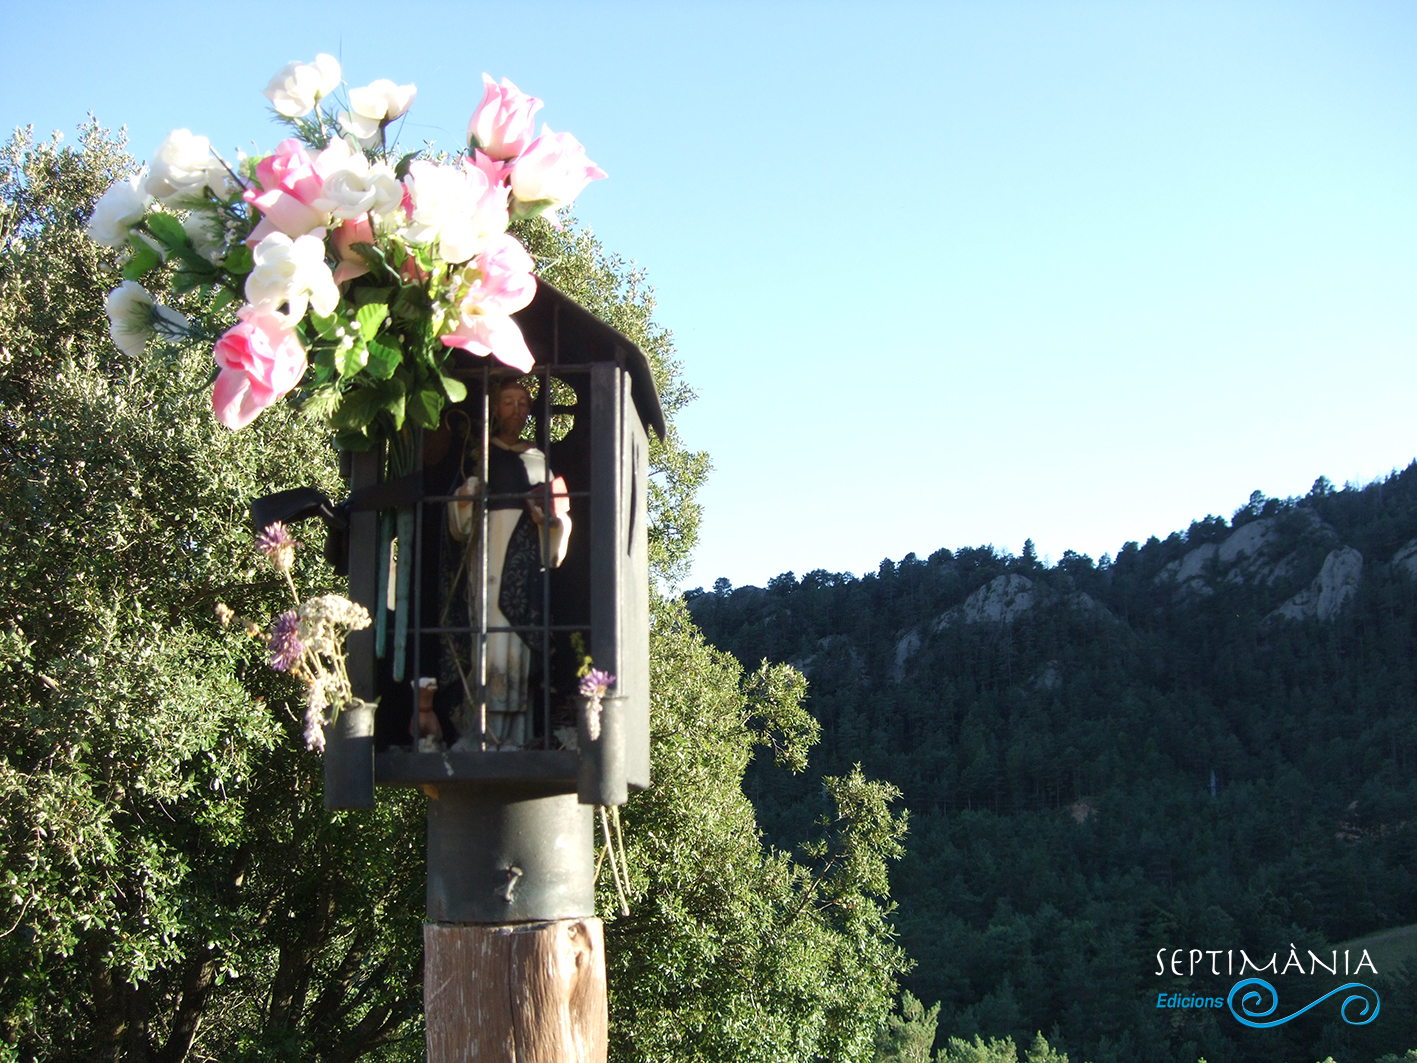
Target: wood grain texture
[[524, 993]]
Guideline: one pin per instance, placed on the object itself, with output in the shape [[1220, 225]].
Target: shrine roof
[[559, 331]]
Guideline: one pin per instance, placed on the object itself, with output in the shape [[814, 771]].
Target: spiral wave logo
[[1251, 1003]]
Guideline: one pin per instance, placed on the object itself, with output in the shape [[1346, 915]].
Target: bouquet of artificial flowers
[[354, 272]]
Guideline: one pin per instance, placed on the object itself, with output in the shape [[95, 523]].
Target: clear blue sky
[[943, 274]]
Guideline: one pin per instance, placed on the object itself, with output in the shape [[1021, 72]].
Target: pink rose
[[551, 173], [495, 170], [412, 271], [494, 334], [504, 123], [291, 182], [507, 283], [260, 360], [351, 263]]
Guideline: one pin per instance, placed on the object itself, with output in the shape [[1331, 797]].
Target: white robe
[[508, 659]]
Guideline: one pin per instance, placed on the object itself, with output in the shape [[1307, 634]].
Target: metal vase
[[601, 780], [349, 757]]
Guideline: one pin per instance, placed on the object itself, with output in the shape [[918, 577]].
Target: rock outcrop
[[832, 652], [1006, 598], [1001, 600], [1190, 568], [904, 650], [1332, 589], [1246, 541], [1405, 560], [1246, 555]]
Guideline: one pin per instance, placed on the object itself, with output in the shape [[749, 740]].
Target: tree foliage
[[908, 1036], [173, 887], [170, 873], [732, 952]]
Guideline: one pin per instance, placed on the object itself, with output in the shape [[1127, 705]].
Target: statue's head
[[511, 406]]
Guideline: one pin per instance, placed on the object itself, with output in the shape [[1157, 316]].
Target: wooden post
[[520, 993]]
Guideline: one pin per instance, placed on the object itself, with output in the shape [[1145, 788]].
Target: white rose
[[456, 206], [118, 210], [374, 106], [221, 181], [298, 87], [134, 318], [207, 231], [294, 272], [356, 187], [181, 168]]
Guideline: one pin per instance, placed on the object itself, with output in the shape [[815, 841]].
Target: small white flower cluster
[[323, 623], [316, 703], [325, 620]]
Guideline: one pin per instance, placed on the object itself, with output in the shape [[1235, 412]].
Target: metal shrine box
[[488, 616]]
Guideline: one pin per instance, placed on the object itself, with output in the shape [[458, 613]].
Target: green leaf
[[412, 304], [194, 262], [370, 253], [370, 316], [364, 296], [395, 404], [323, 359], [426, 405], [531, 208], [184, 281], [325, 326], [144, 259], [167, 230], [456, 390], [356, 441], [401, 170], [239, 260], [350, 360], [383, 360], [320, 402], [358, 409]]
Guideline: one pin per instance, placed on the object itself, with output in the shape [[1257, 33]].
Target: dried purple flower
[[595, 683], [276, 544], [284, 643]]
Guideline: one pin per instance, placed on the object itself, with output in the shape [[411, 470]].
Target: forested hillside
[[1207, 742]]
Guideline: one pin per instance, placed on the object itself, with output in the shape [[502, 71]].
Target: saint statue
[[504, 576]]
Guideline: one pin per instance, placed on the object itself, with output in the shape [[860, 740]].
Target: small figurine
[[426, 727]]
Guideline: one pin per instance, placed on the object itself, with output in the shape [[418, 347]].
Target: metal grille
[[433, 507]]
